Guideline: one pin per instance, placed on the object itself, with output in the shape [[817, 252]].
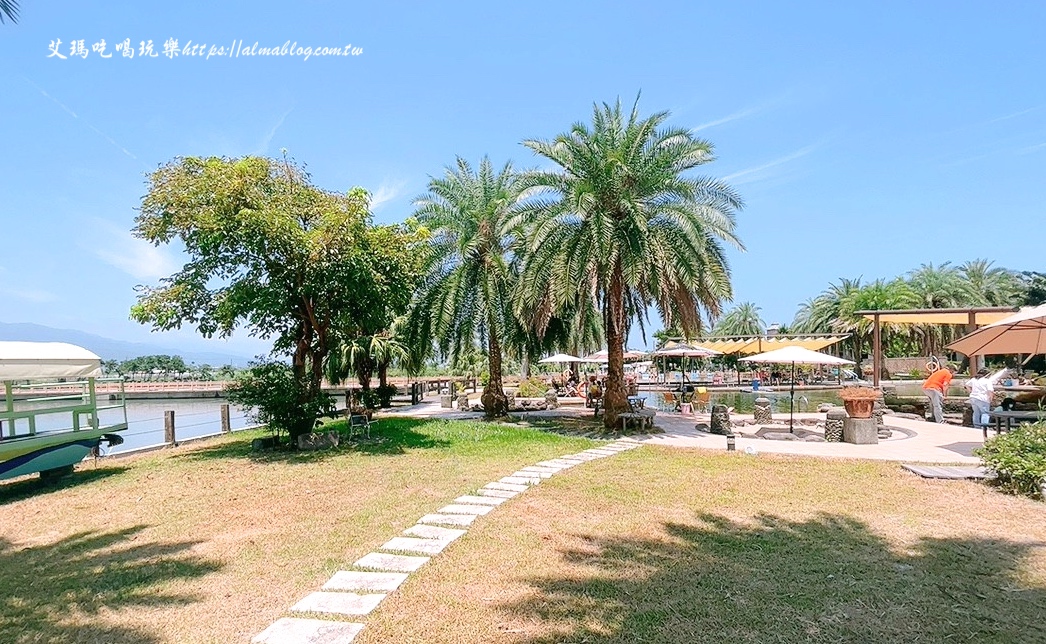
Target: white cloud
[[136, 257], [385, 193], [748, 175], [31, 295], [726, 119], [263, 148]]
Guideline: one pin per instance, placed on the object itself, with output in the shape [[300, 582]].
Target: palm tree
[[620, 226], [466, 297], [743, 319], [990, 286], [9, 8], [879, 295]]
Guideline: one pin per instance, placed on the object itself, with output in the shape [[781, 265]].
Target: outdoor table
[[637, 402], [1004, 420]]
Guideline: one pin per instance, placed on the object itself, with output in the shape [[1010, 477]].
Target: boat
[[50, 419]]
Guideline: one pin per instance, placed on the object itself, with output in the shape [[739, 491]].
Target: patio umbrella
[[559, 357], [795, 355], [1022, 332], [602, 356]]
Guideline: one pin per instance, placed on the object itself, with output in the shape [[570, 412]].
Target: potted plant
[[859, 401]]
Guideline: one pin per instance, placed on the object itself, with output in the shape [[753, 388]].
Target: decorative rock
[[323, 440], [551, 401], [446, 402], [463, 401], [510, 399], [833, 425], [812, 438], [763, 414], [877, 412], [780, 436], [860, 431], [307, 631], [721, 420]]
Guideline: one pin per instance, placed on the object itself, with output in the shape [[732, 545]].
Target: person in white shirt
[[982, 388]]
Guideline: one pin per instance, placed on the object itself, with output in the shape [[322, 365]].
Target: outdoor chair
[[702, 399], [670, 401], [359, 422]]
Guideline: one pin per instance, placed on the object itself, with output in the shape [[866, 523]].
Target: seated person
[[594, 391]]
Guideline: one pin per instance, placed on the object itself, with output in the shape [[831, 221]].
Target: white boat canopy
[[27, 360]]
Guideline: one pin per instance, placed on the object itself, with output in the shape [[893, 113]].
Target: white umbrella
[[602, 356], [687, 351], [559, 357], [1022, 332], [795, 355]]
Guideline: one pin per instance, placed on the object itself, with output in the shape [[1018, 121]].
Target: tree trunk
[[495, 404], [383, 374], [615, 398], [525, 367]]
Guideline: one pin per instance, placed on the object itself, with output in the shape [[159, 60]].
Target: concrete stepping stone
[[539, 468], [294, 630], [433, 532], [448, 519], [368, 581], [479, 500], [511, 487], [459, 508], [338, 603], [561, 464], [414, 544], [520, 480], [530, 475], [587, 457], [601, 451], [398, 563], [571, 458], [501, 494]]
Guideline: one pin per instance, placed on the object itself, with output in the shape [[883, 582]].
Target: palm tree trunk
[[495, 404], [615, 398]]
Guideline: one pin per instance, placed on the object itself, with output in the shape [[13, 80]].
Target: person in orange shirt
[[935, 387]]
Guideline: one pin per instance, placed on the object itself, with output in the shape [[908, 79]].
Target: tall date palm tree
[[465, 299], [617, 222]]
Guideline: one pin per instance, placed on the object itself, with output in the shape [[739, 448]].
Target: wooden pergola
[[972, 318]]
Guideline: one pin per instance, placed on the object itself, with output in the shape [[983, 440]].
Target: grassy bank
[[209, 543]]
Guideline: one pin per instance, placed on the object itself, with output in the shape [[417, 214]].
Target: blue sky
[[866, 138]]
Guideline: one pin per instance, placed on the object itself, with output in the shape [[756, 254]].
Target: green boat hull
[[48, 451]]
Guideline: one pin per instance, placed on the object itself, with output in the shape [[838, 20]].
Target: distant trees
[[976, 283], [743, 319]]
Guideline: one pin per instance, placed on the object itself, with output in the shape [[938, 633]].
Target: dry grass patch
[[211, 543], [666, 545]]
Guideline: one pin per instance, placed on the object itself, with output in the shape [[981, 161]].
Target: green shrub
[[1019, 459], [532, 388], [385, 394], [276, 398]]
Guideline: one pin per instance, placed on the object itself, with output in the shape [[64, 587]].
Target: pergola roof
[[978, 316], [758, 344]]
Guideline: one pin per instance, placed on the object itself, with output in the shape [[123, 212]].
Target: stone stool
[[833, 425], [763, 414], [721, 421]]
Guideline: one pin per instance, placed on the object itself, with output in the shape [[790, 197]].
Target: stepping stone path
[[352, 593]]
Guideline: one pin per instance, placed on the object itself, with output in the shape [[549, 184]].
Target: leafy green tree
[[619, 224], [466, 298], [743, 319], [268, 250], [1033, 288]]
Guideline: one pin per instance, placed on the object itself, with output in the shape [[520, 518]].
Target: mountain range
[[110, 349]]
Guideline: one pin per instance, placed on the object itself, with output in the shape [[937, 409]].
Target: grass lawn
[[209, 543]]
